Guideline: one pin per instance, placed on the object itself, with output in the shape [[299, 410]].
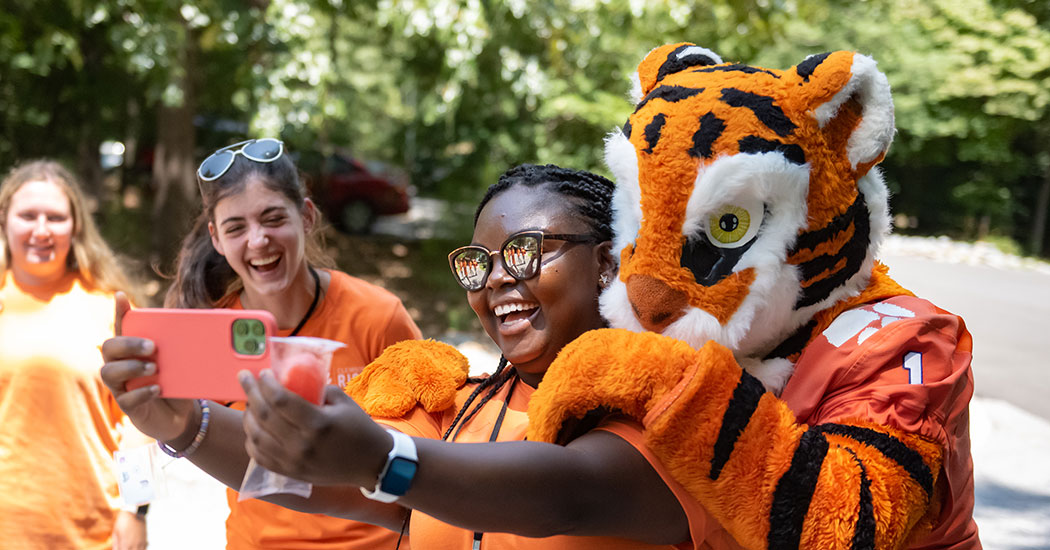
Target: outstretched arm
[[597, 485]]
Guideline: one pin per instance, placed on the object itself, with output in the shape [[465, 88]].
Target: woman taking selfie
[[255, 245], [58, 424], [540, 256]]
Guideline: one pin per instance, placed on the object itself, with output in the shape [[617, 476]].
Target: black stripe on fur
[[890, 446], [754, 144], [810, 239], [809, 66], [626, 129], [711, 128], [766, 111], [670, 94], [815, 266], [675, 63], [864, 529], [741, 406], [795, 491], [854, 251], [652, 131], [738, 68]]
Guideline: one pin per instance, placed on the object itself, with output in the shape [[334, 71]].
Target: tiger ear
[[667, 59], [852, 104]]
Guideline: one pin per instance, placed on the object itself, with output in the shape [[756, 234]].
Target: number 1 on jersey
[[913, 364]]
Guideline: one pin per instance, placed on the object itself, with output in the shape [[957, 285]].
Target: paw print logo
[[861, 323]]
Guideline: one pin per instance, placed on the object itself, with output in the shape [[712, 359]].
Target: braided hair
[[591, 197], [592, 192]]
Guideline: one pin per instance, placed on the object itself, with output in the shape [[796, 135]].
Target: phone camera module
[[249, 337]]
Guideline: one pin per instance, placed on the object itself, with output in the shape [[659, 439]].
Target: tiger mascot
[[799, 393]]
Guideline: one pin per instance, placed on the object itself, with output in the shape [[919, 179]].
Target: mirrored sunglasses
[[521, 254], [259, 150]]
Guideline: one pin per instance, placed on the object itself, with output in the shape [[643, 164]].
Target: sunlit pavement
[[1011, 475], [1011, 443], [422, 221]]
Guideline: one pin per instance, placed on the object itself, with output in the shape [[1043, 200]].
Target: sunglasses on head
[[259, 150], [520, 254]]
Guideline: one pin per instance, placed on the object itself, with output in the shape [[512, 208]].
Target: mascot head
[[748, 199]]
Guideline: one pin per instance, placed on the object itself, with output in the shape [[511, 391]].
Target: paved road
[[1008, 313]]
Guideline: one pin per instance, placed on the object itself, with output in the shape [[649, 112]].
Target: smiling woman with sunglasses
[[256, 245], [550, 228]]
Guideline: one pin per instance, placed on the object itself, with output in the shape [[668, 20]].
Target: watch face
[[399, 476]]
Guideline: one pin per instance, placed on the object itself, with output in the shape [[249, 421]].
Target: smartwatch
[[396, 476]]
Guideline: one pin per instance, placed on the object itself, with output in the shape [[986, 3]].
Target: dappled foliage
[[456, 91]]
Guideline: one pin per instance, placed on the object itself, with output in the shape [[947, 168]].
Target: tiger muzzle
[[655, 304]]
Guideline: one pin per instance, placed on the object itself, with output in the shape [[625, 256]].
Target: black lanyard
[[492, 437], [313, 305]]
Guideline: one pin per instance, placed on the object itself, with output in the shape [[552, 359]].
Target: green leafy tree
[[971, 83], [456, 91]]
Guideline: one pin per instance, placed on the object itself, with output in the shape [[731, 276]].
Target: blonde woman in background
[[58, 424]]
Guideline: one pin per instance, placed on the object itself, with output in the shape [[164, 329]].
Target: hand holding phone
[[200, 351]]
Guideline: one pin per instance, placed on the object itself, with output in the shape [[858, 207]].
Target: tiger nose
[[655, 304]]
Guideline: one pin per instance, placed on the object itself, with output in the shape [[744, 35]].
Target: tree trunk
[[984, 226], [87, 157], [175, 200], [89, 167]]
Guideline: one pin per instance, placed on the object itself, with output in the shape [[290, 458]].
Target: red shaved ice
[[303, 374]]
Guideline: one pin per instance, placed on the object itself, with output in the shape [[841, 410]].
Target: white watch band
[[404, 450]]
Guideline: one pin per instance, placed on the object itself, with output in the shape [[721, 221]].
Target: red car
[[352, 193]]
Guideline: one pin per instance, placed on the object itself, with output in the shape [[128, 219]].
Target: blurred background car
[[353, 192]]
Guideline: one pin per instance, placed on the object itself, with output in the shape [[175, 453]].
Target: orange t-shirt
[[432, 534], [58, 422], [903, 363], [367, 319]]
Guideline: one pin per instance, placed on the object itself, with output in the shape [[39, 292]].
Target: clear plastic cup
[[302, 364]]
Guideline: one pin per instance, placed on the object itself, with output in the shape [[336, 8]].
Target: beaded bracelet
[[197, 439]]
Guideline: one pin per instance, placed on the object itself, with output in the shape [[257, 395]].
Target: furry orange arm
[[424, 372], [770, 481]]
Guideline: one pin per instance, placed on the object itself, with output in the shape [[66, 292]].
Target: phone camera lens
[[240, 328], [258, 329], [251, 346]]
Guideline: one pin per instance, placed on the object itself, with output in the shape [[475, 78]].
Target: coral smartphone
[[200, 351]]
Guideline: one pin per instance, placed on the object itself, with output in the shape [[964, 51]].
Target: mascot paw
[[612, 370], [410, 372]]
